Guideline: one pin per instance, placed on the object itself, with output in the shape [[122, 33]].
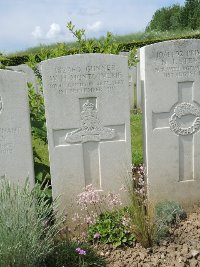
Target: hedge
[[17, 60]]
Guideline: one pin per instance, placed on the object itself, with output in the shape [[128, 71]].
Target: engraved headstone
[[16, 158], [87, 111], [30, 75], [171, 74]]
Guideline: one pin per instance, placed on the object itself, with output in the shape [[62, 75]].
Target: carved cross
[[183, 119], [90, 135]]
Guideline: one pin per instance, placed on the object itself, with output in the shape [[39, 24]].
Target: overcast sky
[[27, 23]]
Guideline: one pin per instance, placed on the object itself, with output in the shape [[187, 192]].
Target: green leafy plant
[[27, 226], [107, 45], [112, 228], [2, 57], [39, 135], [68, 254], [37, 114]]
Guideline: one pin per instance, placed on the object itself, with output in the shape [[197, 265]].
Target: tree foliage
[[190, 15], [176, 17], [166, 18]]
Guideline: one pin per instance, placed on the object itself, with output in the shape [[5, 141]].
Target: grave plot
[[88, 121], [170, 72]]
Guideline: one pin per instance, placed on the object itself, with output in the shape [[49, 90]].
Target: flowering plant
[[112, 228], [92, 203]]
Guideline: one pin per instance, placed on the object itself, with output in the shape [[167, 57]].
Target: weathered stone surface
[[87, 110], [138, 83], [132, 85], [30, 75], [132, 77], [16, 158], [171, 75]]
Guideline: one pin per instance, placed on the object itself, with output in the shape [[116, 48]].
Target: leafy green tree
[[176, 17], [166, 18], [190, 15]]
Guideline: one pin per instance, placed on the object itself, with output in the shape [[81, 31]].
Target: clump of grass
[[27, 226], [141, 212], [150, 222]]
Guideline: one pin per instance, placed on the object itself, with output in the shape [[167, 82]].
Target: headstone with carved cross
[[16, 157], [87, 111], [170, 73]]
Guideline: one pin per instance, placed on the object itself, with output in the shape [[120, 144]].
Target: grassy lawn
[[136, 138]]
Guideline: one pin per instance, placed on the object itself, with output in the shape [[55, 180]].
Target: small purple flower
[[97, 236], [80, 251]]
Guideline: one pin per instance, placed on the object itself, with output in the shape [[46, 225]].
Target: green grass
[[136, 138]]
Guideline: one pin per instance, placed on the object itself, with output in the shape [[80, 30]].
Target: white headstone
[[171, 74], [16, 158], [132, 76], [138, 84], [31, 77], [88, 122], [132, 84]]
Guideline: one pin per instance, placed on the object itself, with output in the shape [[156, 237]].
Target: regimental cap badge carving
[[91, 128], [88, 106], [1, 105]]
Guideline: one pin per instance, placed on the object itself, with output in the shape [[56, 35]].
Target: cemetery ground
[[100, 231], [180, 245], [180, 248]]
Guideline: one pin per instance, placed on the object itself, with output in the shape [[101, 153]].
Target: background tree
[[176, 17], [190, 15], [166, 18]]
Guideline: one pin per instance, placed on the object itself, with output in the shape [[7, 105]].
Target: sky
[[29, 23]]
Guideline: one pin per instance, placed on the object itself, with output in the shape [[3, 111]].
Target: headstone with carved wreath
[[87, 111], [16, 158], [171, 74]]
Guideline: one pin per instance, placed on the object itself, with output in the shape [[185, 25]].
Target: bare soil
[[180, 249]]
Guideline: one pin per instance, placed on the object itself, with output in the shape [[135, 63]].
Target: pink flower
[[97, 236]]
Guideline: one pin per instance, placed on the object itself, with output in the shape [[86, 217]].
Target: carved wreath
[[181, 110]]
